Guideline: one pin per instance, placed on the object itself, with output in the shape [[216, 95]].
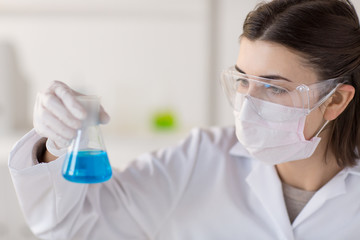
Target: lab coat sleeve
[[134, 204], [41, 191]]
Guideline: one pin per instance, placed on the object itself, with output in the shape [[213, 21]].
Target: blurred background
[[155, 63]]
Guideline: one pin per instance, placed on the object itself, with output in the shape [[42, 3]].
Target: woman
[[288, 170]]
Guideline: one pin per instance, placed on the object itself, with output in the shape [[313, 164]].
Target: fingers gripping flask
[[86, 160]]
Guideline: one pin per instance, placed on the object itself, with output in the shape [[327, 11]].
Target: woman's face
[[262, 58]]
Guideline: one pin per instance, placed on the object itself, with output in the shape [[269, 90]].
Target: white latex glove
[[57, 116]]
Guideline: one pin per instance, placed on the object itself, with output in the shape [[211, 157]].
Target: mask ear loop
[[322, 101], [322, 128]]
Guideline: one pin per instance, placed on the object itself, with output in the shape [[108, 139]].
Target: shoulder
[[217, 140], [201, 146], [223, 137], [214, 146]]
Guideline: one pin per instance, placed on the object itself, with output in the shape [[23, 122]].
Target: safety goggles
[[296, 99]]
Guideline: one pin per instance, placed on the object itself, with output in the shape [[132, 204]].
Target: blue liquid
[[89, 166]]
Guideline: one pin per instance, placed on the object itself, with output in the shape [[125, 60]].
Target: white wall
[[140, 56]]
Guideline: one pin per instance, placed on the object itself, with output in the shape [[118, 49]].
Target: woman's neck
[[312, 173]]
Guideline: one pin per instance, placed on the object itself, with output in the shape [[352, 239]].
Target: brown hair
[[327, 33]]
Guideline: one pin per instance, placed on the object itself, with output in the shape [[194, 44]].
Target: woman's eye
[[243, 82], [275, 90]]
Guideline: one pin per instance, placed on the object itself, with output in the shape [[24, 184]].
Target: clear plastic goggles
[[297, 100]]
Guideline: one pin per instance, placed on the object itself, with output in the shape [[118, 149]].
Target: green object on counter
[[164, 120]]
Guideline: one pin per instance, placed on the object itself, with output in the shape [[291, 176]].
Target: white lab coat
[[205, 188]]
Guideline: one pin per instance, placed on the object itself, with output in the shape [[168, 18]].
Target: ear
[[339, 101]]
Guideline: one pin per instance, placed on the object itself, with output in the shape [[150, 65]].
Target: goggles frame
[[304, 97]]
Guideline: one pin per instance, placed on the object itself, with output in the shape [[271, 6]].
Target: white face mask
[[272, 142]]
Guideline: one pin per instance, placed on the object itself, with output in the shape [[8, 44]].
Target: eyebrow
[[264, 76]]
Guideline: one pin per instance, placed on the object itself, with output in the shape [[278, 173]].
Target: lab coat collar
[[334, 188], [239, 150], [354, 170], [266, 185]]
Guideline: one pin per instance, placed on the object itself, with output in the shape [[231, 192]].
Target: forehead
[[261, 58]]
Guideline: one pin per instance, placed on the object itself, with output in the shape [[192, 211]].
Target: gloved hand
[[57, 116]]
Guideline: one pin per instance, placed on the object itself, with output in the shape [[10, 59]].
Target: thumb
[[104, 117]]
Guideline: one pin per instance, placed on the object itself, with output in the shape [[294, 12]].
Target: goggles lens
[[276, 92], [284, 94]]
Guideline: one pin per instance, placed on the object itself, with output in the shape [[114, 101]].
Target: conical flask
[[86, 160]]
